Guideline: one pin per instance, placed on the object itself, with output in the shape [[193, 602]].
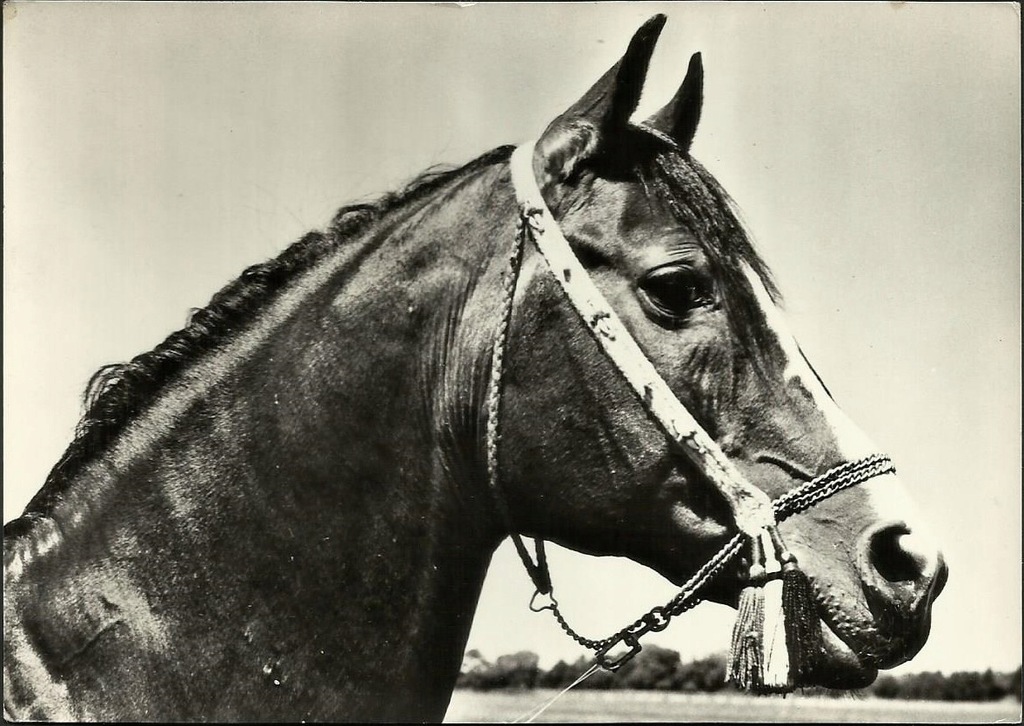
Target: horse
[[286, 510]]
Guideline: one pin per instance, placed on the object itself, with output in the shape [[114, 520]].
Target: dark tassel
[[803, 626]]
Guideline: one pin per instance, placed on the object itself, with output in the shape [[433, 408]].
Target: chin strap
[[777, 639]]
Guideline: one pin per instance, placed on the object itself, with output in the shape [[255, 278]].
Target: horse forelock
[[117, 394], [697, 200]]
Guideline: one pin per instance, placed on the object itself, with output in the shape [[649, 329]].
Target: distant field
[[658, 706]]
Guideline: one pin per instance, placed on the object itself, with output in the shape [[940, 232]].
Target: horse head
[[584, 464]]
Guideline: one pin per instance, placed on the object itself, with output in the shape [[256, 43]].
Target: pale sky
[[152, 152]]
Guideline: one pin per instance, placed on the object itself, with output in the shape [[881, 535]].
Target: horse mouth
[[841, 666], [854, 649]]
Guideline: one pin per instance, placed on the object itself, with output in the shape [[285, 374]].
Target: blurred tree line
[[959, 686], [662, 669]]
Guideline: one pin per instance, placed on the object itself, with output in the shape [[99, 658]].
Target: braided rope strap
[[538, 571]]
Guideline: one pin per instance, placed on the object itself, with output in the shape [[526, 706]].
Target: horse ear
[[604, 109], [679, 118]]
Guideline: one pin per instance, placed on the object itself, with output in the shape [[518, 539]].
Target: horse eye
[[673, 291]]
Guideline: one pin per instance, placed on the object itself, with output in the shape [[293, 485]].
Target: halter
[[755, 515]]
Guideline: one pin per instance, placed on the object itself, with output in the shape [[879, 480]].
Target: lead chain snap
[[550, 605]]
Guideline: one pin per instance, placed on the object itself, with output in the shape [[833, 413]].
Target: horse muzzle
[[901, 575]]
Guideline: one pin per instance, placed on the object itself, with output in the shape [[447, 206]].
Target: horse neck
[[318, 482]]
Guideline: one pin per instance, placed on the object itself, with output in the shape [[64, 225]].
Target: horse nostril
[[894, 557], [899, 563]]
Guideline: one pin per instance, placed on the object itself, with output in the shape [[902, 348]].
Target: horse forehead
[[622, 214]]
